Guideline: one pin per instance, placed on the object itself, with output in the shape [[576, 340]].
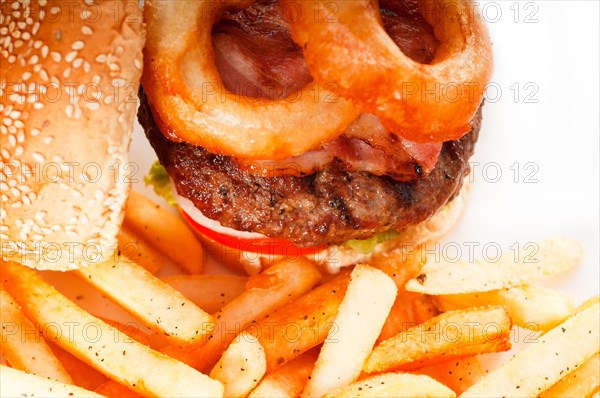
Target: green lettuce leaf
[[159, 180], [366, 246]]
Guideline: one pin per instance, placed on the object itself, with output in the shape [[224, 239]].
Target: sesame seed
[[101, 58], [35, 132], [94, 106], [26, 76], [77, 63], [38, 157], [70, 56], [45, 51], [86, 30], [69, 110], [55, 56], [78, 45]]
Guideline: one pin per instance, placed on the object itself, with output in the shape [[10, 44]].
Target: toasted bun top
[[70, 73]]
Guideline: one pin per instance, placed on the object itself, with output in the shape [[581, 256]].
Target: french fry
[[560, 351], [289, 380], [22, 345], [588, 303], [137, 250], [155, 303], [267, 291], [529, 306], [131, 330], [424, 309], [582, 382], [400, 264], [547, 258], [394, 385], [16, 383], [448, 336], [109, 351], [458, 374], [83, 375], [399, 319], [368, 300], [165, 231], [113, 389], [302, 324], [209, 292], [241, 367]]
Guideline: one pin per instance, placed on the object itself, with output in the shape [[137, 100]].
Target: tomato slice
[[265, 246]]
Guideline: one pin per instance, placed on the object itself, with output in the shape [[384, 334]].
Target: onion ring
[[344, 42], [186, 92]]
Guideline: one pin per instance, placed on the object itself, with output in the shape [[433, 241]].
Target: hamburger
[[368, 190]]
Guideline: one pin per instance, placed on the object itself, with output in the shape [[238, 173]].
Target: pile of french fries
[[400, 326]]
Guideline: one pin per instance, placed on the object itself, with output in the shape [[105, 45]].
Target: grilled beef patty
[[330, 206]]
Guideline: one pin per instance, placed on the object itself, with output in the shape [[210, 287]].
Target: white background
[[553, 46]]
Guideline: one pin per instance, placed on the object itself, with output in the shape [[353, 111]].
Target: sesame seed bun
[[70, 74]]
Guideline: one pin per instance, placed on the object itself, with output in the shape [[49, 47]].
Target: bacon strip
[[256, 57]]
